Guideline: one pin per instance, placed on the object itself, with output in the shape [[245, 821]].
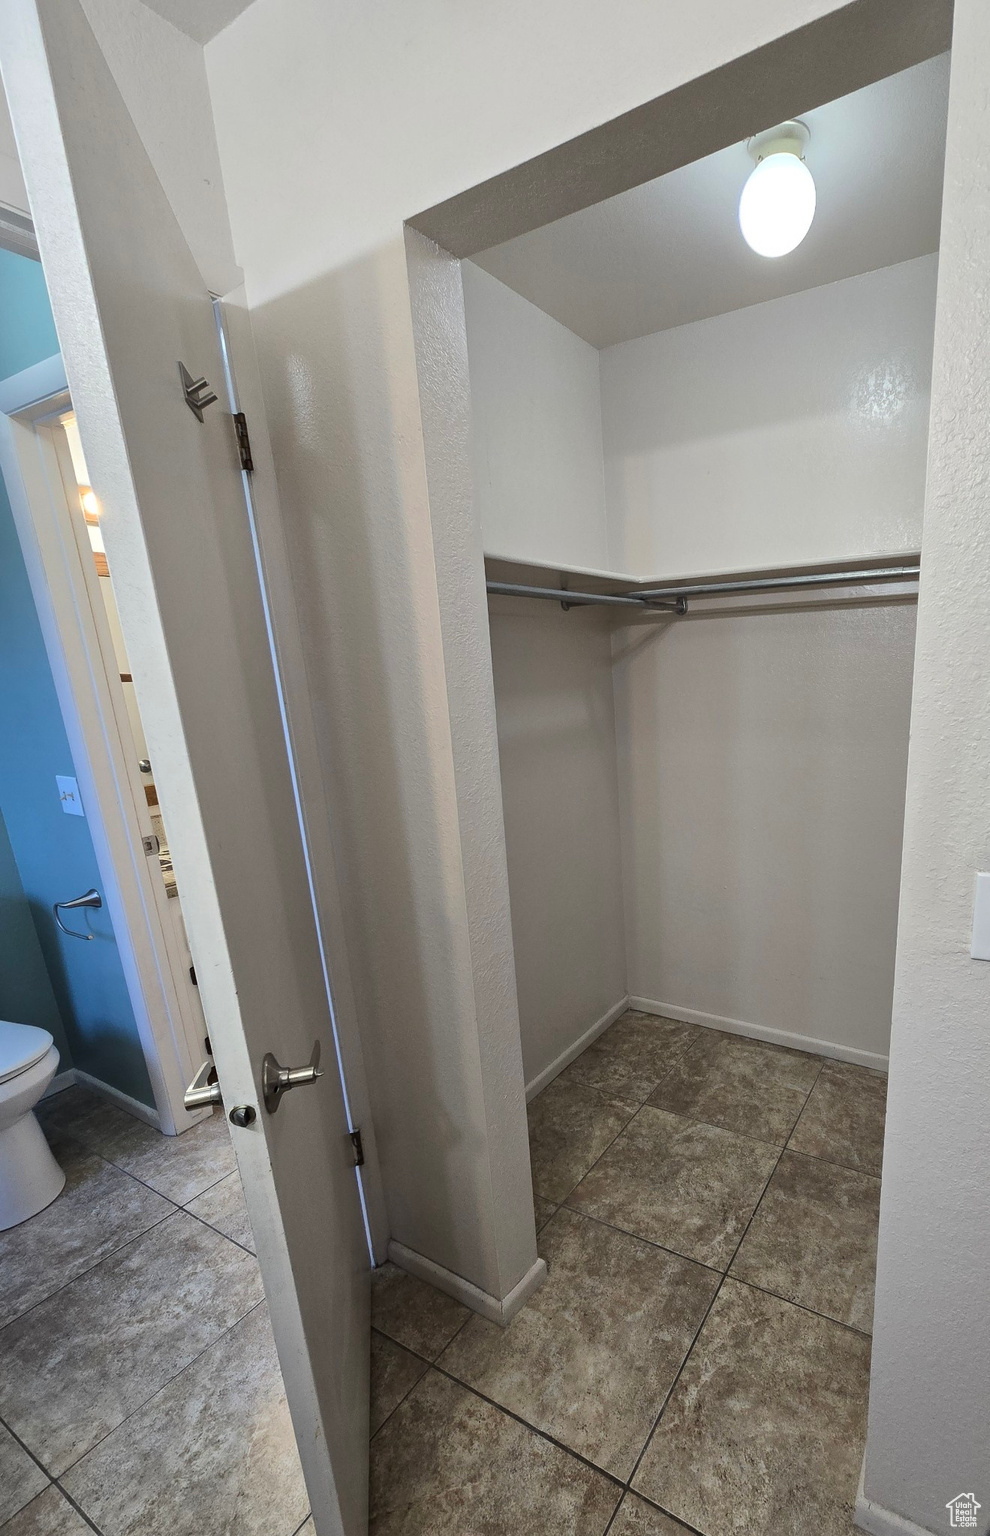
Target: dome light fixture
[[778, 201]]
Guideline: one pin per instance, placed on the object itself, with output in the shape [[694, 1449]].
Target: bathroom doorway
[[56, 516]]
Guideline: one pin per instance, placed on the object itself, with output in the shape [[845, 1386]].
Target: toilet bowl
[[30, 1178]]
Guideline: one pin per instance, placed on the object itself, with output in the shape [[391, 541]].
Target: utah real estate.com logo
[[962, 1512]]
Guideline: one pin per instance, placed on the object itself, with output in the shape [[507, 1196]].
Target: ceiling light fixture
[[778, 201]]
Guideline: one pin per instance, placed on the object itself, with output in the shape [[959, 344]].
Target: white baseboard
[[758, 1032], [883, 1522], [573, 1051], [472, 1296], [71, 1075]]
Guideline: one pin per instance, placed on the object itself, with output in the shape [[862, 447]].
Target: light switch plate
[[980, 949], [68, 793]]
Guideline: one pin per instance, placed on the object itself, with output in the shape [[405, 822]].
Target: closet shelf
[[673, 597]]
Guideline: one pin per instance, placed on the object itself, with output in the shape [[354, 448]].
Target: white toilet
[[30, 1178]]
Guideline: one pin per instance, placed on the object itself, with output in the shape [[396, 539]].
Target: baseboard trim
[[72, 1075], [463, 1290], [573, 1051], [883, 1522], [758, 1032], [60, 1082]]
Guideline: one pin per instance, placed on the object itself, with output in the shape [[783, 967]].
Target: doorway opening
[[697, 477]]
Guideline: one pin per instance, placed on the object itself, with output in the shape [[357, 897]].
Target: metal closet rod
[[674, 599], [568, 599]]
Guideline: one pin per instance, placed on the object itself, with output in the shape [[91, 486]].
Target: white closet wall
[[538, 475], [788, 433], [762, 762], [556, 740], [761, 757], [536, 422]]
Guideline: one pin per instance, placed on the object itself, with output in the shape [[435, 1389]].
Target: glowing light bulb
[[777, 203], [90, 504]]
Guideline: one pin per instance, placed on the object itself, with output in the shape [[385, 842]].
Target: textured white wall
[[929, 1427], [761, 777], [161, 74], [556, 740], [536, 418], [787, 433]]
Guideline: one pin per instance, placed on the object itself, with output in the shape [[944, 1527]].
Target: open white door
[[130, 307]]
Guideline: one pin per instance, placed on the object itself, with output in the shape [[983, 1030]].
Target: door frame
[[37, 471]]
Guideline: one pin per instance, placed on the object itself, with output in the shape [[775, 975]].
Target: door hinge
[[358, 1146], [243, 441], [150, 844]]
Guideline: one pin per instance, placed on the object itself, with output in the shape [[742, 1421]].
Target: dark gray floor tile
[[690, 1187], [638, 1518], [593, 1354], [413, 1313], [20, 1477], [843, 1119], [223, 1206], [542, 1210], [764, 1431], [569, 1128], [179, 1167], [50, 1514], [628, 1061], [99, 1209], [449, 1464], [76, 1366], [740, 1084], [212, 1451], [394, 1372], [813, 1239]]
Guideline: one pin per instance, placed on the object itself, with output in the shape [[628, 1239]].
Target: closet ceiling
[[670, 252]]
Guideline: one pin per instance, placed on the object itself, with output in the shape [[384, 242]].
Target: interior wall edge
[[538, 1083], [850, 47], [783, 1037], [489, 1026], [495, 1309]]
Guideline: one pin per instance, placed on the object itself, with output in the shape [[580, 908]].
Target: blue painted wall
[[53, 852], [25, 987]]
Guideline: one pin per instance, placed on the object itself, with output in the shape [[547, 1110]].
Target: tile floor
[[698, 1359], [139, 1387]]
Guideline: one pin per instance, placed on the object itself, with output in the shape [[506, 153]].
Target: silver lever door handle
[[91, 898], [201, 1093], [277, 1080]]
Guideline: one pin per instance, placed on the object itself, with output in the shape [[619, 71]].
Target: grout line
[[801, 1306], [133, 1238], [202, 1219], [53, 1482], [77, 1507], [718, 1291], [139, 1408], [543, 1434], [674, 1253], [88, 1269]]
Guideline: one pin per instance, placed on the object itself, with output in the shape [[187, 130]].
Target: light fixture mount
[[786, 139], [777, 204]]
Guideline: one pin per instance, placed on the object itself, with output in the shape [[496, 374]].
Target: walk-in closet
[[703, 809], [699, 471]]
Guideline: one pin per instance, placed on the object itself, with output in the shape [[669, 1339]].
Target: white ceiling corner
[[199, 19], [670, 252]]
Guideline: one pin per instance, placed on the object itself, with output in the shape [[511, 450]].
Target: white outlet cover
[[68, 793], [980, 949]]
